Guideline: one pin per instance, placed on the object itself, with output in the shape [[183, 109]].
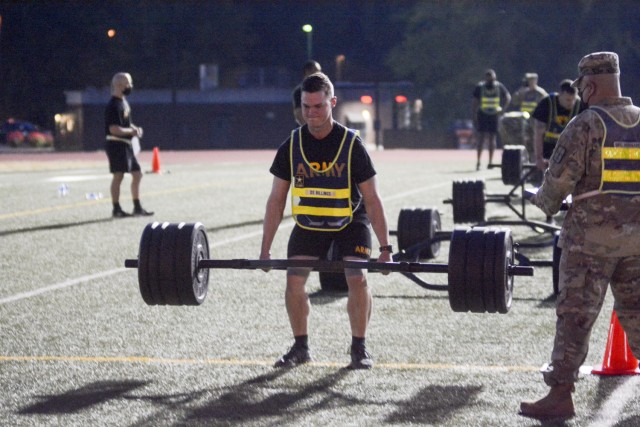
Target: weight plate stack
[[468, 201], [168, 257], [478, 273], [416, 226], [514, 157]]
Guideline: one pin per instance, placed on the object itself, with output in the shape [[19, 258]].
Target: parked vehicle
[[20, 132]]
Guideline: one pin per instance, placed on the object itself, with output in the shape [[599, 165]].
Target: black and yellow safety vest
[[620, 156], [529, 102], [556, 123], [321, 193], [490, 99]]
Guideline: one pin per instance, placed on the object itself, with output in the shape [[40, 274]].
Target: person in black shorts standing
[[120, 131], [490, 99], [334, 198]]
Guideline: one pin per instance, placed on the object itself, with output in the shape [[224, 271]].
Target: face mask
[[127, 91], [582, 98]]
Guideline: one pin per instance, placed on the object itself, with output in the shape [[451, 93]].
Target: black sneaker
[[360, 358], [119, 213], [141, 212], [295, 356]]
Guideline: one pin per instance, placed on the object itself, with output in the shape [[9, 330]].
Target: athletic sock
[[357, 342], [302, 341]]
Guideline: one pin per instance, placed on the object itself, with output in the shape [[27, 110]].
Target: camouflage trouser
[[583, 285]]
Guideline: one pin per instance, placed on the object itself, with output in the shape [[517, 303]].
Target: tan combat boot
[[556, 404]]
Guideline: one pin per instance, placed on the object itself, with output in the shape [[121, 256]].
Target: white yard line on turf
[[611, 409]]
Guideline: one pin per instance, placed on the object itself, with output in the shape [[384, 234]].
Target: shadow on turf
[[434, 405], [259, 399], [56, 226], [109, 219], [74, 401]]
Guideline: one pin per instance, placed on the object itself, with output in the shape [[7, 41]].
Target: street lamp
[[307, 28]]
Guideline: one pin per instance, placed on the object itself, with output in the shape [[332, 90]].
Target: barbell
[[173, 266]]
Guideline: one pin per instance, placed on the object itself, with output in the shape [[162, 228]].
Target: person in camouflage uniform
[[597, 161]]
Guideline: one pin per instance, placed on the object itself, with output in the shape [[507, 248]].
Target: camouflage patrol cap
[[597, 63]]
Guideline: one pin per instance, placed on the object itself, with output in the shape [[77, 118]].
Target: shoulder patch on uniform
[[558, 154]]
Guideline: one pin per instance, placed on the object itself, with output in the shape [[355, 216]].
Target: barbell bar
[[173, 266]]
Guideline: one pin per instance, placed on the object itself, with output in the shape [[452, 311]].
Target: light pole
[[307, 28]]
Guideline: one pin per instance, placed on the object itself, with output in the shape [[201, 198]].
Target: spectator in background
[[490, 99], [551, 117], [525, 100], [120, 130]]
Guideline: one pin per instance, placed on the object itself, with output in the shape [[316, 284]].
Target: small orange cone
[[155, 162], [618, 358]]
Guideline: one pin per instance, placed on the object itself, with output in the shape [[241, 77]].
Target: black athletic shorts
[[121, 157], [487, 122], [353, 241]]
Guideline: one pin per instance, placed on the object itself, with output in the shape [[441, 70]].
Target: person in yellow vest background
[[551, 116], [334, 200], [525, 100], [596, 161], [489, 101]]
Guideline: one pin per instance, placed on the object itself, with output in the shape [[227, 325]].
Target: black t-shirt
[[325, 150], [118, 113], [541, 112]]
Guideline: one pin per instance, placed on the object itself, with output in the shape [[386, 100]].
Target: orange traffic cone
[[618, 358], [155, 162]]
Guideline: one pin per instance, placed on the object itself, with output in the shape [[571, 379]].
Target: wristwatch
[[387, 248]]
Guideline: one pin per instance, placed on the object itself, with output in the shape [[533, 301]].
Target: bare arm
[[377, 216], [116, 130], [274, 213]]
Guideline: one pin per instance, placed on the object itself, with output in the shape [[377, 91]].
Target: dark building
[[386, 114]]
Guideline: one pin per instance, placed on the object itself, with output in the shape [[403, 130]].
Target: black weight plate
[[476, 201], [457, 203], [514, 158], [404, 229], [488, 280], [475, 270], [417, 226], [435, 225], [191, 246], [167, 265], [153, 263], [468, 201], [456, 270], [504, 257], [143, 264], [555, 269], [333, 282]]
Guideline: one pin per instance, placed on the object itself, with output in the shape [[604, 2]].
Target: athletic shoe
[[141, 212], [295, 356], [360, 358], [119, 213]]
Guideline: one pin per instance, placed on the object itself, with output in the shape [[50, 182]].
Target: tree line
[[443, 47]]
